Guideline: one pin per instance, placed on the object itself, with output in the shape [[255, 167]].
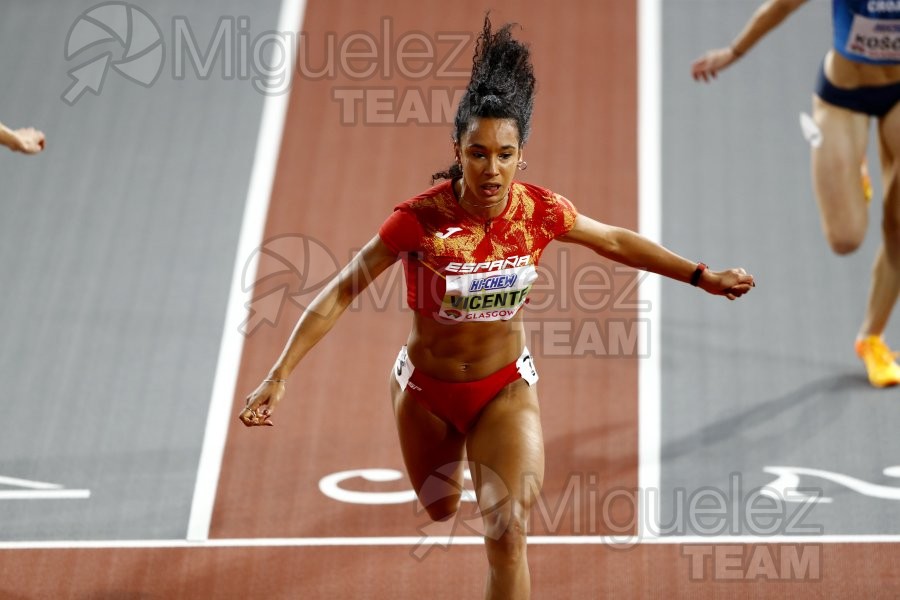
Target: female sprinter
[[859, 79], [463, 387]]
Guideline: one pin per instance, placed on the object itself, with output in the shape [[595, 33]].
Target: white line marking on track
[[649, 225], [256, 209], [413, 541], [38, 490], [29, 484], [44, 494]]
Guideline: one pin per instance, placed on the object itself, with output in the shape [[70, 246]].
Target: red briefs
[[460, 403]]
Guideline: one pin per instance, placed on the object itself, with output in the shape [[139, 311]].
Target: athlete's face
[[489, 154]]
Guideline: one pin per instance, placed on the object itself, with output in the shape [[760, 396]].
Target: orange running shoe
[[880, 362], [866, 181]]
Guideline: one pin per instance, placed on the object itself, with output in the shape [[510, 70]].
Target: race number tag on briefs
[[490, 296], [875, 39]]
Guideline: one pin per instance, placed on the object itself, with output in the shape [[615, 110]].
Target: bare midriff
[[849, 74], [464, 351]]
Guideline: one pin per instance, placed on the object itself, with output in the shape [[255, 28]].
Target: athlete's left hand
[[732, 283], [708, 66]]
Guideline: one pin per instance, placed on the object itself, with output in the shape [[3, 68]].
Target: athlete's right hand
[[709, 65], [261, 403]]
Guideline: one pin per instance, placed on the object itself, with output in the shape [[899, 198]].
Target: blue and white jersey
[[867, 30]]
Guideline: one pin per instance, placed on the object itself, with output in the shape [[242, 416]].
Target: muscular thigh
[[433, 452], [506, 448], [889, 137], [844, 133], [889, 134], [835, 169]]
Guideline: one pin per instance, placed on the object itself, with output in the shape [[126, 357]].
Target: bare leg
[[506, 457], [836, 176], [433, 453], [886, 271]]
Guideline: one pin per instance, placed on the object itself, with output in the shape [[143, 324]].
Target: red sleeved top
[[461, 269]]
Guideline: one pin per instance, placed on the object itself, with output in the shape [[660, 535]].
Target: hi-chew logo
[[497, 282]]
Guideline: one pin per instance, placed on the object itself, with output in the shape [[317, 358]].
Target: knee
[[505, 536], [443, 509], [844, 229], [845, 240], [440, 498]]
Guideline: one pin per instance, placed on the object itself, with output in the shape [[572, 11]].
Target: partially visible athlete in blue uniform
[[859, 80]]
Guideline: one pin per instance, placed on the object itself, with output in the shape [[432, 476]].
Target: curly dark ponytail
[[501, 87]]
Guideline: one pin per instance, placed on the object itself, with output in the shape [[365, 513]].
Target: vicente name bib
[[489, 296]]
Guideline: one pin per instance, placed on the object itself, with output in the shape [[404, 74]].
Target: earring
[[522, 165]]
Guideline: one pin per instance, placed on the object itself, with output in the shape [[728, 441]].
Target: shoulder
[[433, 198], [553, 210], [542, 196], [433, 208], [405, 226]]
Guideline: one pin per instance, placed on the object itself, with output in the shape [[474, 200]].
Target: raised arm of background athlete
[[634, 250], [766, 18], [318, 318]]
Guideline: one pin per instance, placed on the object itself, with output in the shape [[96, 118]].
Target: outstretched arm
[[319, 317], [765, 19], [634, 250], [28, 140]]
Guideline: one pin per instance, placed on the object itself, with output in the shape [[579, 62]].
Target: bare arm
[[634, 250], [765, 19], [319, 317], [27, 141]]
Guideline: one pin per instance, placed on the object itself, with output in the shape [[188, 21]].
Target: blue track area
[[116, 251], [768, 388]]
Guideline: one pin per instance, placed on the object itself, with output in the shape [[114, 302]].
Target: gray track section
[[770, 380], [116, 251]]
